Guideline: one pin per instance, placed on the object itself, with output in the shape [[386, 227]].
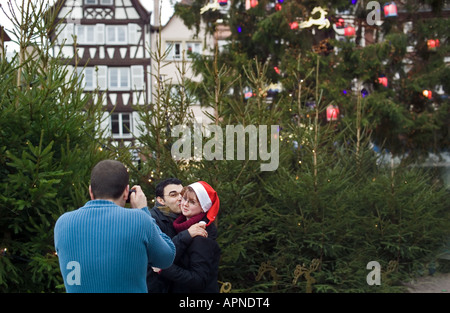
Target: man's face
[[172, 198]]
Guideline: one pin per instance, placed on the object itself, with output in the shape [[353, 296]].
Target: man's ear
[[90, 193], [160, 200], [126, 192]]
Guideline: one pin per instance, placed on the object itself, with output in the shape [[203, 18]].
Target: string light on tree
[[427, 94]]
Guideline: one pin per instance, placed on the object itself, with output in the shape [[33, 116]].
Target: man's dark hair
[[161, 185], [109, 179]]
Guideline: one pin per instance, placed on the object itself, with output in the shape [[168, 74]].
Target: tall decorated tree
[[396, 59], [334, 204]]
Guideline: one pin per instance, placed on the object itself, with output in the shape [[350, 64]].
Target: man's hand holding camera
[[137, 198]]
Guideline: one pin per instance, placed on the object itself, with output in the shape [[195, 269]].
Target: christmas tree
[[49, 143], [397, 61], [334, 204]]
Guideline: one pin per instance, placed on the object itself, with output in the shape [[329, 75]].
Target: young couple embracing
[[186, 215]]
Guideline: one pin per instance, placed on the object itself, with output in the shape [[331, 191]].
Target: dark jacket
[[164, 219], [197, 268]]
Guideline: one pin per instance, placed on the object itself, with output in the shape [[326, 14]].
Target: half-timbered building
[[107, 41]]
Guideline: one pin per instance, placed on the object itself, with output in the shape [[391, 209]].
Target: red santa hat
[[208, 198]]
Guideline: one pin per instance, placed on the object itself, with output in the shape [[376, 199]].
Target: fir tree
[[333, 205], [49, 141]]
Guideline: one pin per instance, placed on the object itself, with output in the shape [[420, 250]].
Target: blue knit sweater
[[103, 247]]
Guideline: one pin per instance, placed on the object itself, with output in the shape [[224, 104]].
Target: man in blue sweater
[[104, 247]]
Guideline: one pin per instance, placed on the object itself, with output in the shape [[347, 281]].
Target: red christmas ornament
[[293, 25], [349, 31], [433, 44], [390, 9], [332, 113], [340, 23], [250, 4], [277, 7], [383, 81], [277, 70]]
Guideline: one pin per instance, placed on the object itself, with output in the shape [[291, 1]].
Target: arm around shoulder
[[160, 248]]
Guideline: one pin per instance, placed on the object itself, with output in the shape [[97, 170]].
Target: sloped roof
[[4, 35], [143, 13]]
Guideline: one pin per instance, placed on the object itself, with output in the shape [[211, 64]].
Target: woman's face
[[190, 206]]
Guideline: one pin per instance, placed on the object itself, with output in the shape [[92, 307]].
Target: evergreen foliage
[[401, 119], [48, 145], [332, 205]]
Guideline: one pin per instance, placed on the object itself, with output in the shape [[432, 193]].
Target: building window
[[116, 35], [174, 50], [121, 125], [193, 47], [85, 34], [119, 78], [95, 2], [93, 77], [87, 77], [113, 78]]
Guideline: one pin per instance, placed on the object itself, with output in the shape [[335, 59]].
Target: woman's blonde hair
[[190, 193]]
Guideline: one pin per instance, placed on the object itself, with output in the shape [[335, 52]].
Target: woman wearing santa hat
[[197, 268]]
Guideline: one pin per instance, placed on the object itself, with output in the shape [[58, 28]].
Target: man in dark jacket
[[165, 211]]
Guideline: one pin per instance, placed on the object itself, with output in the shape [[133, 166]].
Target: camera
[[129, 195]]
